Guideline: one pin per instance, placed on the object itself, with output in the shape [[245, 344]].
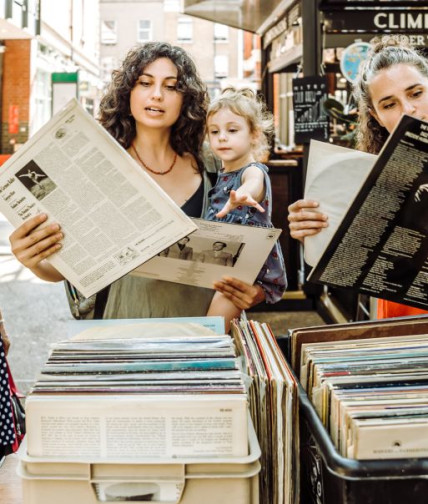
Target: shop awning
[[251, 15]]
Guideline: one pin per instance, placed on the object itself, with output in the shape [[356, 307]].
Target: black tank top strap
[[193, 206]]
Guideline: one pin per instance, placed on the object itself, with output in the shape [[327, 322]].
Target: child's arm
[[250, 193], [221, 306]]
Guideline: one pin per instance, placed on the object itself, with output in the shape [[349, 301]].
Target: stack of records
[[274, 410], [371, 394], [163, 396]]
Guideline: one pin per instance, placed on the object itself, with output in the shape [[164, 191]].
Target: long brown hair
[[187, 134], [384, 53]]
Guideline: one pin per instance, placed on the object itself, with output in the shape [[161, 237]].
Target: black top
[[193, 206]]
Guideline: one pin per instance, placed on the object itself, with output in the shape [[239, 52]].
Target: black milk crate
[[328, 478]]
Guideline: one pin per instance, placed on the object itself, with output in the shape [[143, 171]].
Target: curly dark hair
[[187, 134], [384, 53]]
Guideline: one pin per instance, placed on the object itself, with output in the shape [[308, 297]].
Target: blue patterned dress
[[272, 276]]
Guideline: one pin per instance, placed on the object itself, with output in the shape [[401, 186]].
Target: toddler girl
[[237, 126]]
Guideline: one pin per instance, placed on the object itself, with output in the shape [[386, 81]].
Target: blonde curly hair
[[384, 53], [245, 103]]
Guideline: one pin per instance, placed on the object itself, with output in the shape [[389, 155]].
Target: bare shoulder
[[183, 181], [253, 171]]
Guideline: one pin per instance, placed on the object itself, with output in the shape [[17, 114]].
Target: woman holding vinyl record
[[155, 107], [392, 81]]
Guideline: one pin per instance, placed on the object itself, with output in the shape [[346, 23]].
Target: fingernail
[[55, 227], [60, 236]]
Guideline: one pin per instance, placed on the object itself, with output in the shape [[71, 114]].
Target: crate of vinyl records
[[272, 392], [161, 419], [363, 411]]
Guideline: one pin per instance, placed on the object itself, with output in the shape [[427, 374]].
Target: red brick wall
[[252, 41], [248, 44], [16, 94]]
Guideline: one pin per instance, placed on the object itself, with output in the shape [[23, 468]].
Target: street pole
[[312, 49]]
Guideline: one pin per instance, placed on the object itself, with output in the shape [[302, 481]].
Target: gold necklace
[[148, 167]]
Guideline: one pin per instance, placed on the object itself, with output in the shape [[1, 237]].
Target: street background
[[35, 313]]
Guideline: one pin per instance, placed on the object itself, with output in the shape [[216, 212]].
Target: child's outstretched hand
[[237, 199]]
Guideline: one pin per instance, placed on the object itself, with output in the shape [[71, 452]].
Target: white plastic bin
[[160, 481]]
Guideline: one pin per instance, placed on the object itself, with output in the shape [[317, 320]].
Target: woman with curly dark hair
[[187, 132], [155, 107]]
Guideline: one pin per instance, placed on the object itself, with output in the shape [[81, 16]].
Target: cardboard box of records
[[363, 404]]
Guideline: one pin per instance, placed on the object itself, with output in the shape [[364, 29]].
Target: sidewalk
[[35, 313]]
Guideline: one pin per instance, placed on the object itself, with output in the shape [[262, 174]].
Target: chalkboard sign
[[363, 3], [310, 119]]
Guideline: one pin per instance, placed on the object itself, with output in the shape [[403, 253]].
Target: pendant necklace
[[154, 171]]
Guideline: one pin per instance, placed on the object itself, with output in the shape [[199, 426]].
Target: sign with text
[[370, 20], [310, 119], [364, 3]]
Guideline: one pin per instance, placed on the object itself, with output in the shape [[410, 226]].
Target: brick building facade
[[16, 90], [40, 38]]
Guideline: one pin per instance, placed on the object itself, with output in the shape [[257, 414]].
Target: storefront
[[307, 38]]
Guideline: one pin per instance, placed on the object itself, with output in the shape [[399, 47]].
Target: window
[[185, 29], [43, 100], [221, 32], [171, 6], [108, 32], [144, 30], [221, 67], [108, 64]]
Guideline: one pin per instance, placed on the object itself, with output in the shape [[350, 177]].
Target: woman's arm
[[304, 220], [31, 243]]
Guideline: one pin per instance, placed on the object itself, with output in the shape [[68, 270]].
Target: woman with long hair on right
[[392, 81]]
